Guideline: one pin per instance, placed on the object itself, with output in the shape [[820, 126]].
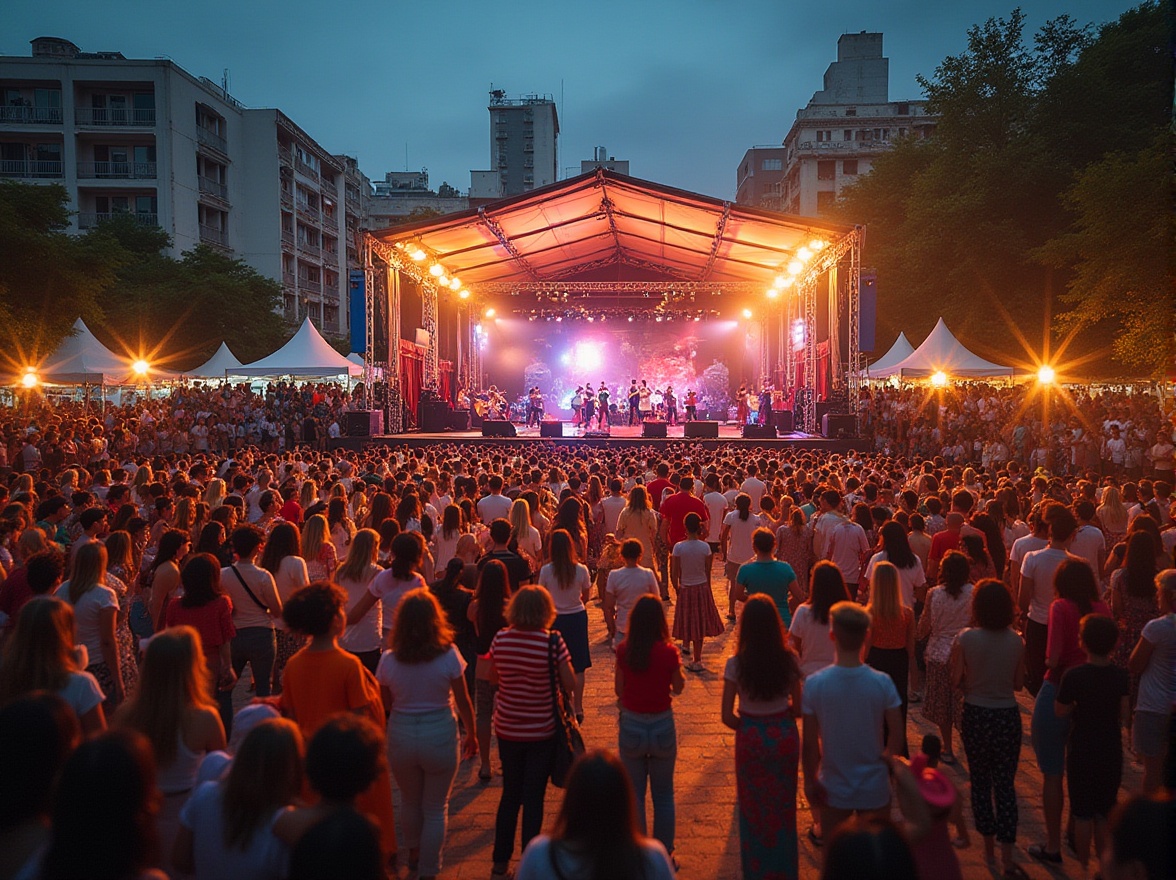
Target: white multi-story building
[[837, 136], [524, 134], [601, 159], [401, 194], [144, 137]]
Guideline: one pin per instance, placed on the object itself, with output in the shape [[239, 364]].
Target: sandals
[[1039, 852], [485, 774], [948, 758]]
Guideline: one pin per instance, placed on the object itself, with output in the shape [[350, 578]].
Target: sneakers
[[694, 667]]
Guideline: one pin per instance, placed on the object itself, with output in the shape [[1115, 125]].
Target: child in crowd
[[1096, 695]]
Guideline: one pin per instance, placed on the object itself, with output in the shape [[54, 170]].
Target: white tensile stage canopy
[[306, 354], [81, 359], [898, 352], [941, 352], [223, 363]]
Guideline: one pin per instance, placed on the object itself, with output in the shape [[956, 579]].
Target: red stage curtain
[[412, 373], [446, 370], [822, 369]]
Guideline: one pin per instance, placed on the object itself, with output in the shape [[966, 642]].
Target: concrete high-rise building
[[402, 193], [838, 134], [524, 135], [760, 180], [145, 137]]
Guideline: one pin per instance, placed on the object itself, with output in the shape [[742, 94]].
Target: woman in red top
[[648, 676], [206, 609]]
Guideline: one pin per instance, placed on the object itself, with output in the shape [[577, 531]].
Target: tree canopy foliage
[[1036, 210], [119, 279]]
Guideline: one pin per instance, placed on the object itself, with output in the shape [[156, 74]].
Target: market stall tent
[[82, 360], [941, 352], [897, 353], [217, 366], [306, 354]]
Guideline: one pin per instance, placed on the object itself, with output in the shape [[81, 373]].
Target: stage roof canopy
[[603, 226]]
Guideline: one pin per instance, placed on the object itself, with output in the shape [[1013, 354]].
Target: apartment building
[[760, 179], [845, 126], [401, 194], [524, 135], [145, 137]]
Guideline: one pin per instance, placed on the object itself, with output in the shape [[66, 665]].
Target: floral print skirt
[[767, 756]]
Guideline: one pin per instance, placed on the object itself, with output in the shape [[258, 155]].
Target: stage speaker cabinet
[[498, 428], [459, 420], [551, 429], [701, 429], [652, 428], [758, 432], [782, 419], [433, 416], [838, 425], [822, 408], [364, 423]]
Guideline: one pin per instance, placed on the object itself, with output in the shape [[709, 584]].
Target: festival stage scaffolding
[[604, 241]]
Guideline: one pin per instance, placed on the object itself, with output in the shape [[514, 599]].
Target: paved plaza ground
[[708, 828]]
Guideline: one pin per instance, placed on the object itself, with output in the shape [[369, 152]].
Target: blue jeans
[[257, 646], [422, 752], [648, 746]]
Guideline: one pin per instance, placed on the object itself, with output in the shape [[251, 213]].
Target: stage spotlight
[[29, 379], [698, 317], [772, 293], [454, 283], [788, 282], [490, 313], [417, 254], [795, 267], [781, 281], [559, 319], [436, 270], [1046, 375], [463, 293], [587, 356], [804, 254], [140, 367], [747, 313], [659, 319], [442, 281], [939, 379], [816, 244]]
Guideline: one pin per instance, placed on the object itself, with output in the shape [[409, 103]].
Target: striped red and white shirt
[[523, 710]]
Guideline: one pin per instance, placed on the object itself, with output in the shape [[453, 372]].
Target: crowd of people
[[402, 609]]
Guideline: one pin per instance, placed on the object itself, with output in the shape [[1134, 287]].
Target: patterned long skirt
[[767, 755], [696, 616], [289, 644]]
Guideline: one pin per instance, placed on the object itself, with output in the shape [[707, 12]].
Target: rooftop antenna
[[406, 155], [225, 82]]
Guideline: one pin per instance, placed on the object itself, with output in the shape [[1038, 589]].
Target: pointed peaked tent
[[82, 360], [898, 352], [306, 354], [217, 366], [942, 352], [356, 358]]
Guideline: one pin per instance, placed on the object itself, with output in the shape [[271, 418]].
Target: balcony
[[311, 286], [214, 236], [309, 212], [352, 197], [209, 138], [119, 117], [90, 219], [308, 248], [289, 279], [285, 156], [287, 198], [211, 187], [287, 238], [31, 115], [116, 170], [305, 170], [31, 168]]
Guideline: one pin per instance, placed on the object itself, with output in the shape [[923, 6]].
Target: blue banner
[[867, 308], [358, 307]]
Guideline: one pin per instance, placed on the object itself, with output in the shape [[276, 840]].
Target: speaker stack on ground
[[433, 416], [782, 420], [551, 429], [363, 423], [498, 428], [653, 428], [459, 420], [838, 425], [701, 429], [758, 432]]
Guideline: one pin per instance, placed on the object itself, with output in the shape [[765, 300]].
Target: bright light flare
[[490, 313], [140, 367], [1046, 375], [772, 293], [795, 267], [417, 254], [587, 356], [781, 281], [804, 254], [939, 379], [436, 270], [29, 379], [816, 244], [463, 293], [747, 313], [455, 283]]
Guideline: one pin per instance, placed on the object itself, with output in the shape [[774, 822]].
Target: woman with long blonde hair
[[214, 495], [185, 515], [354, 575], [39, 656], [891, 644], [173, 707], [282, 557], [569, 584], [308, 494], [1112, 514], [96, 608], [638, 520], [524, 537], [317, 549]]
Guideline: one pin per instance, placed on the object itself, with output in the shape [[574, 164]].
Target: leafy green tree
[[47, 277]]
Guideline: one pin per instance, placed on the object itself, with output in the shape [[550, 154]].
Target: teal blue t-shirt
[[773, 580]]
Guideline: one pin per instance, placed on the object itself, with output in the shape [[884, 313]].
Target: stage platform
[[621, 436]]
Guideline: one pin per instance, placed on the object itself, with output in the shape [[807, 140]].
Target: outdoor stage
[[621, 436]]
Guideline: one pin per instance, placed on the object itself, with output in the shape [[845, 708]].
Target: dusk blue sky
[[680, 88]]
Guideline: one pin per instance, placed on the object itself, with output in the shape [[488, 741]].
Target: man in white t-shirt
[[846, 547], [495, 505], [1037, 590], [754, 487], [845, 707], [613, 504], [1089, 542], [716, 507], [624, 587]]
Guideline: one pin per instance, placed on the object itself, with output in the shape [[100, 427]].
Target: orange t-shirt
[[319, 684]]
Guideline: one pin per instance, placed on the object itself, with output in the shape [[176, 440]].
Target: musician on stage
[[742, 410], [534, 406], [634, 404], [589, 406], [463, 399], [765, 405], [498, 405], [691, 402], [645, 401], [578, 406], [671, 403], [602, 398]]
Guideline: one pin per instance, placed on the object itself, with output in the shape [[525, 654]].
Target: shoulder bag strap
[[256, 601], [551, 636]]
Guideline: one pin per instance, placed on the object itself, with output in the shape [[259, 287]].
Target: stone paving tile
[[707, 822]]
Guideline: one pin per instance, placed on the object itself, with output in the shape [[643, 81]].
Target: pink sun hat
[[935, 788]]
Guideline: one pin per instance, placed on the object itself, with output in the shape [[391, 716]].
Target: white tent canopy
[[898, 352], [306, 354], [356, 358], [217, 366], [942, 352], [82, 360]]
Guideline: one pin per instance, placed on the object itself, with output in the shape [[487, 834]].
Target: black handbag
[[569, 744]]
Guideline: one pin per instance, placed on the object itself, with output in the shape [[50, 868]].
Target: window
[[47, 98], [826, 170], [849, 166], [851, 111], [848, 136], [820, 137], [772, 165], [146, 205], [904, 109], [825, 201]]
